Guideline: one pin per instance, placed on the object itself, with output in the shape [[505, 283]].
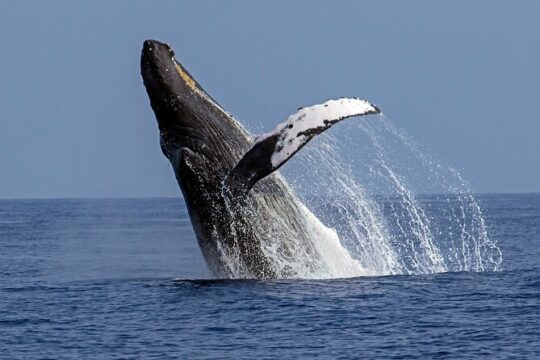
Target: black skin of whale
[[203, 143]]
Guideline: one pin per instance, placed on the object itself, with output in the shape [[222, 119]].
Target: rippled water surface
[[124, 278]]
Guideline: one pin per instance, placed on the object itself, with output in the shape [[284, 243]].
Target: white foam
[[335, 260]]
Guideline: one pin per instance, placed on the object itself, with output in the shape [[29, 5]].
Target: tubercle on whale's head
[[159, 66]]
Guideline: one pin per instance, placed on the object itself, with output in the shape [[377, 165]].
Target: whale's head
[[201, 140]]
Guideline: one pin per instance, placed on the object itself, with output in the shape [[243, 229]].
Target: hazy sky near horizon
[[462, 77]]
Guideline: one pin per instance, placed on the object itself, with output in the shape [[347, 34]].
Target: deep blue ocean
[[124, 278]]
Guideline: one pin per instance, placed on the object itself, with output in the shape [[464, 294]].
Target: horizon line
[[181, 197]]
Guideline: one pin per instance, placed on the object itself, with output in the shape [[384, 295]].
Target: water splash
[[296, 245], [364, 182]]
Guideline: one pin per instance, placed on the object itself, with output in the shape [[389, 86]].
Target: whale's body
[[236, 201]]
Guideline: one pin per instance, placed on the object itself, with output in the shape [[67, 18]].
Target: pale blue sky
[[461, 76]]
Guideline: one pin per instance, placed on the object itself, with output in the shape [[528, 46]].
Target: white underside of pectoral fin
[[301, 126]]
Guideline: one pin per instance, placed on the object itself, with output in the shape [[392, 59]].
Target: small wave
[[24, 321]]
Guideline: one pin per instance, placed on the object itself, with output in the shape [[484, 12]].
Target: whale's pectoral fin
[[273, 149]]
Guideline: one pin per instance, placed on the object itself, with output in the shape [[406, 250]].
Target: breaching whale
[[237, 201]]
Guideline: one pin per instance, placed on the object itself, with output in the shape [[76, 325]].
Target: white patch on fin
[[273, 149], [301, 126]]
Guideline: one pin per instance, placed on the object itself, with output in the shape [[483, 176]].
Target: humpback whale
[[238, 204]]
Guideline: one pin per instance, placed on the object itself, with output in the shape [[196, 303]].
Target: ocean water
[[124, 278]]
